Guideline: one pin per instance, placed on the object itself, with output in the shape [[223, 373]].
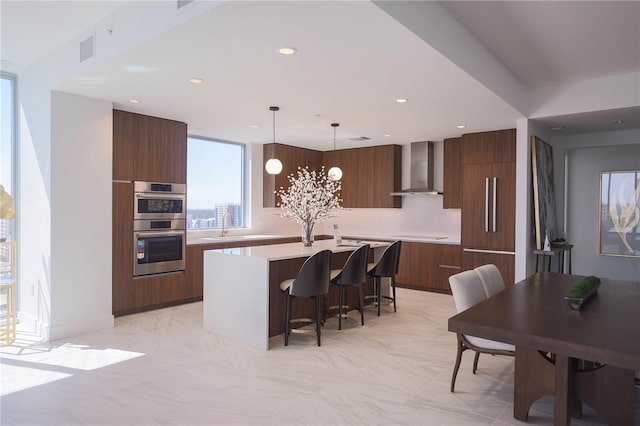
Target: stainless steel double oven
[[159, 227]]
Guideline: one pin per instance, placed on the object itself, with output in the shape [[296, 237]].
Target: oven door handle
[[152, 234], [159, 196]]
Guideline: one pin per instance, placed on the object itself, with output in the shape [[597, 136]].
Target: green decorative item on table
[[312, 197], [580, 292]]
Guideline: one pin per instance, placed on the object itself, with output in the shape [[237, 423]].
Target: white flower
[[312, 197]]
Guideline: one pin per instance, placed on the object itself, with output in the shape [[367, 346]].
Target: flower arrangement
[[312, 197]]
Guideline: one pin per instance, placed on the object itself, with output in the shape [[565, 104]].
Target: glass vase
[[307, 234]]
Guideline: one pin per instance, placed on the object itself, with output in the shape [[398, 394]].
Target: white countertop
[[433, 239], [197, 240], [289, 250]]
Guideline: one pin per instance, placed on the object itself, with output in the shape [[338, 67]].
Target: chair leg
[[378, 295], [457, 366], [393, 286], [361, 295], [286, 321], [318, 318], [475, 362]]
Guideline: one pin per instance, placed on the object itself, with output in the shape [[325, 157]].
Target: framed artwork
[[620, 213], [544, 195]]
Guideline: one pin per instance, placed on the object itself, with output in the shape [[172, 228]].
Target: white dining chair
[[491, 279], [468, 290]]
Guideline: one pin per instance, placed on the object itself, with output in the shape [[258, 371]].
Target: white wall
[[81, 236], [588, 155]]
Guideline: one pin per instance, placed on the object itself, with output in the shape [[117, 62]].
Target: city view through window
[[214, 184]]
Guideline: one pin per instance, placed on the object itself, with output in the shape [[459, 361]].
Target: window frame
[[244, 195]]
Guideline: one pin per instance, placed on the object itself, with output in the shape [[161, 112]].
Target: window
[[215, 184], [8, 148]]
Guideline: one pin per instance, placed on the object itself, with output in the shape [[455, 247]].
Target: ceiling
[[353, 61]]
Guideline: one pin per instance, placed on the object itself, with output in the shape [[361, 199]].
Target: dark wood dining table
[[589, 355]]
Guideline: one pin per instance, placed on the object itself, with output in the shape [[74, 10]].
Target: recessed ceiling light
[[287, 50], [387, 135], [556, 128], [460, 126], [134, 101], [618, 122], [196, 80], [402, 100], [254, 126]]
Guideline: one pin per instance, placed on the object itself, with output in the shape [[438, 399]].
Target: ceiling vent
[[183, 3], [87, 48], [361, 138]]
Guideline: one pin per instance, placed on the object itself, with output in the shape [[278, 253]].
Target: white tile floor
[[161, 367]]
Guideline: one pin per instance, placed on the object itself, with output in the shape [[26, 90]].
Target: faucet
[[224, 219]]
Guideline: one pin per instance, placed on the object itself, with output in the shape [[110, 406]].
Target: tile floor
[[161, 367]]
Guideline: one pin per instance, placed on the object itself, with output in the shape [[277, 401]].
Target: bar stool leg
[[361, 296], [393, 286], [379, 296], [318, 332], [286, 321]]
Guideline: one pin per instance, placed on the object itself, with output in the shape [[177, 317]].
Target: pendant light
[[335, 173], [273, 166]]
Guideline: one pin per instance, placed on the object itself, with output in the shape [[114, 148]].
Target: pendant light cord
[[334, 125]]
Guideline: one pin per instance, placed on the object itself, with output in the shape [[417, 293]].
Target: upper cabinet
[[149, 148], [452, 191], [369, 174], [291, 157], [498, 146]]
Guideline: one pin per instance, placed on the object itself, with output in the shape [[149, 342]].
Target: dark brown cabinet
[[149, 148], [488, 213], [425, 266], [452, 179], [488, 200], [156, 291], [369, 174], [449, 262], [291, 157]]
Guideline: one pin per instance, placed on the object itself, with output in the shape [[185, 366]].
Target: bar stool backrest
[[313, 278], [387, 266], [355, 268]]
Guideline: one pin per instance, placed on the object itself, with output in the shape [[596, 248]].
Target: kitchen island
[[242, 299]]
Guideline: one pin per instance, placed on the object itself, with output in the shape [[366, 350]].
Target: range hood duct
[[421, 171]]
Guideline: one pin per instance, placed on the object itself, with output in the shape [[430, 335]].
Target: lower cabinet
[[425, 266], [131, 295], [506, 263]]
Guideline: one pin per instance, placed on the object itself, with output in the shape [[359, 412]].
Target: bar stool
[[312, 282], [354, 273], [387, 267]]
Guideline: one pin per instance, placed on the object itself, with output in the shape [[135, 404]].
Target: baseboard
[[87, 325]]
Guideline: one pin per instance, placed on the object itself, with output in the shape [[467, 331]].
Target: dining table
[[580, 356]]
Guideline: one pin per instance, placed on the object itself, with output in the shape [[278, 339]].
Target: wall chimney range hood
[[421, 171]]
